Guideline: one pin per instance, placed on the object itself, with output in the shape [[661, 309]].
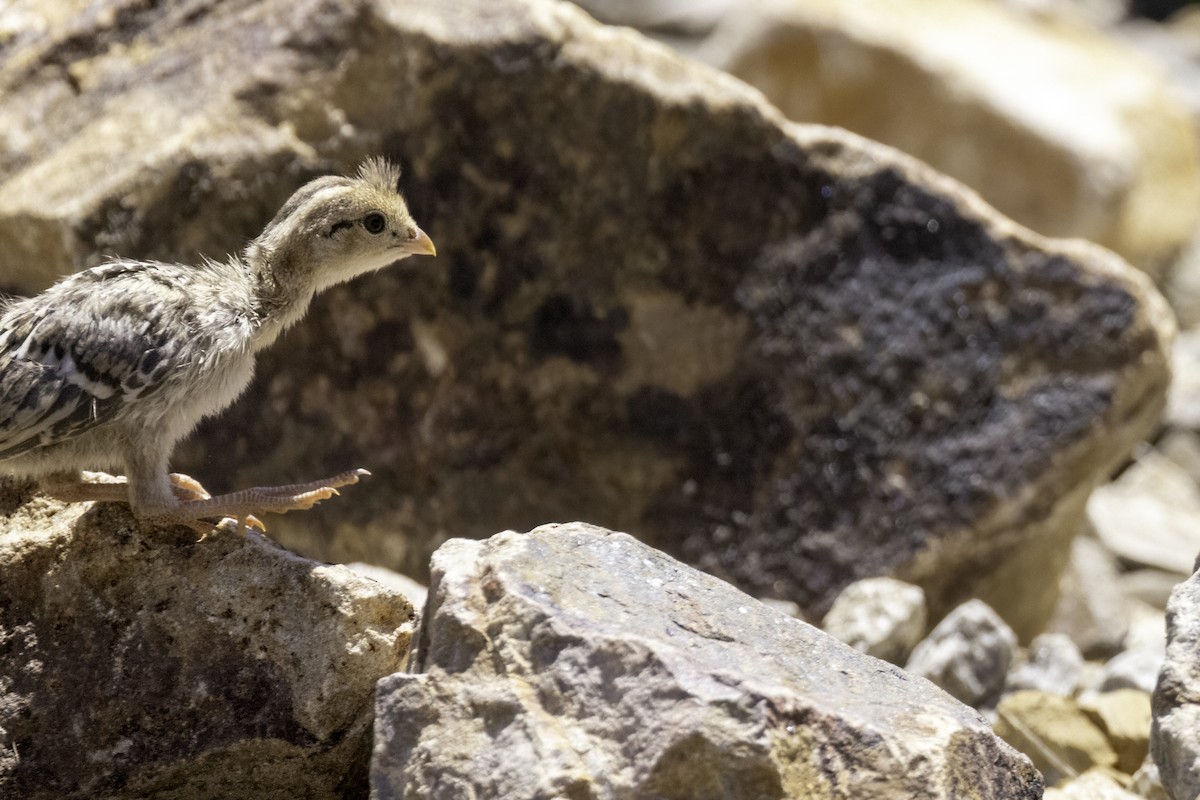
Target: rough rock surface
[[134, 664], [783, 353], [1175, 735], [576, 662], [882, 617], [1077, 112], [968, 654], [1054, 732]]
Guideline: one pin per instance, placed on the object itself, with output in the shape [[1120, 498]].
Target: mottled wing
[[66, 367]]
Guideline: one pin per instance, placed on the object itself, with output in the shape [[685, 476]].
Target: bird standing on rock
[[109, 368]]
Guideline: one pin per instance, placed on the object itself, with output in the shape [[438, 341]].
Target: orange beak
[[422, 245]]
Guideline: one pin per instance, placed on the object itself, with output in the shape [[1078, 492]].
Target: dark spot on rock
[[464, 278], [570, 326]]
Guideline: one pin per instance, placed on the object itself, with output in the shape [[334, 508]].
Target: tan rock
[[1078, 137], [139, 664], [1124, 717], [1054, 732]]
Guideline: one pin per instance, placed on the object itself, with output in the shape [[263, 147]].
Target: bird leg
[[243, 504], [72, 488]]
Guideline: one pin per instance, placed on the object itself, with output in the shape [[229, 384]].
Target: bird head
[[334, 228]]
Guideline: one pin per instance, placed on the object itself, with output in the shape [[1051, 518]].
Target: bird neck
[[280, 289]]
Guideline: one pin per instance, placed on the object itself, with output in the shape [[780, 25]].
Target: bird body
[[109, 368]]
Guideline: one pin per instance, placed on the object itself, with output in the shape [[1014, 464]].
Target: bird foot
[[187, 489], [244, 504]]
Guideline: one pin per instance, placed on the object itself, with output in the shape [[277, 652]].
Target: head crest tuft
[[380, 173]]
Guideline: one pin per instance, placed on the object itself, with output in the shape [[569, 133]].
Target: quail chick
[[109, 368]]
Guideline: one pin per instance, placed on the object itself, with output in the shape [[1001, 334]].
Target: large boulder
[[786, 354], [1079, 136], [136, 664], [577, 662]]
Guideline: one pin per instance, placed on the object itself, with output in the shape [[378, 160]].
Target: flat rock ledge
[[136, 662], [575, 662]]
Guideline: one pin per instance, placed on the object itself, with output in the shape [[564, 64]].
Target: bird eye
[[374, 222]]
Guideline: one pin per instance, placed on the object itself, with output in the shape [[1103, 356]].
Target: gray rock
[[1147, 628], [1150, 586], [576, 662], [413, 591], [1183, 447], [790, 356], [1053, 665], [680, 16], [1183, 400], [968, 654], [1175, 734], [1092, 610], [137, 665], [1150, 515], [1133, 669], [882, 617]]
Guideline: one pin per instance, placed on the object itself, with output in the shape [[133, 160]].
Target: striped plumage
[[110, 367]]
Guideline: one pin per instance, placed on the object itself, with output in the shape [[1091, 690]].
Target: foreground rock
[[134, 665], [1175, 735], [785, 354], [1080, 137], [576, 662]]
